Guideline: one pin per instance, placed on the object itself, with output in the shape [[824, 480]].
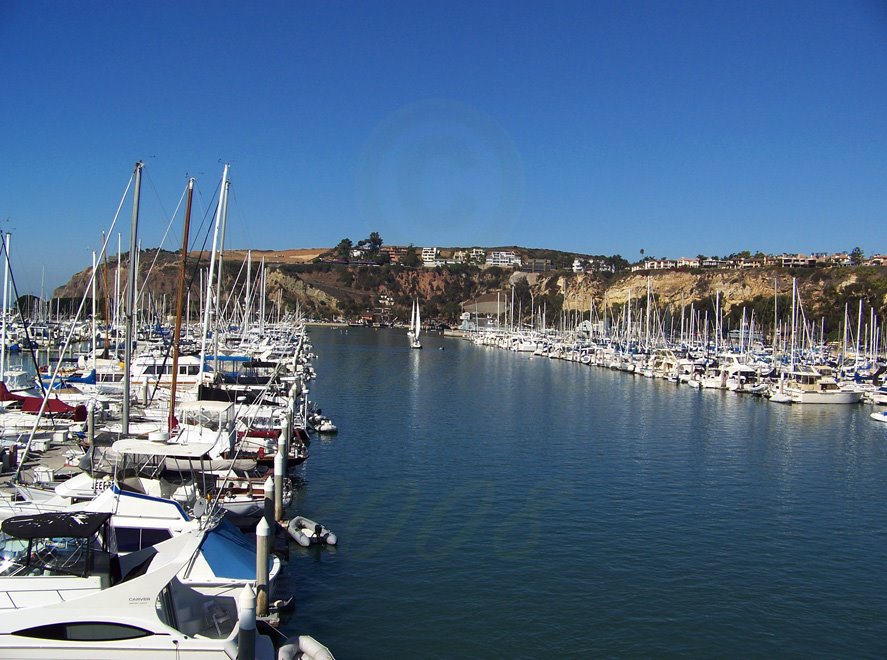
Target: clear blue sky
[[600, 127]]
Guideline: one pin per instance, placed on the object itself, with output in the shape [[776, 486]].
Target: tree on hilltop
[[410, 259], [343, 249], [856, 256], [374, 242]]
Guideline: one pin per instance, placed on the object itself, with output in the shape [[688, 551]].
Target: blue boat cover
[[230, 553]]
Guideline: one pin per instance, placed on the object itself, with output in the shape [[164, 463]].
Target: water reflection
[[605, 513]]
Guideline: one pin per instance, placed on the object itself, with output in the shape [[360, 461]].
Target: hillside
[[331, 290]]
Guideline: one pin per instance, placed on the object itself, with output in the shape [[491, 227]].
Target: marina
[[515, 497], [541, 503], [135, 484], [596, 488], [443, 329]]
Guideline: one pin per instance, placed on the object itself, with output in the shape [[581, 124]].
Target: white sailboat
[[415, 326]]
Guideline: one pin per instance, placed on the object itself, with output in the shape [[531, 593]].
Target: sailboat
[[415, 326]]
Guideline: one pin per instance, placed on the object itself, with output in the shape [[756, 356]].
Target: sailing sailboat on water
[[415, 326]]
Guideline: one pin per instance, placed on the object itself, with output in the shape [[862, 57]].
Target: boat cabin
[[56, 544]]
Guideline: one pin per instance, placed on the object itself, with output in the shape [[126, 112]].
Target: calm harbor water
[[491, 505]]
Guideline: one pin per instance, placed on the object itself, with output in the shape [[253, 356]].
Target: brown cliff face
[[674, 288], [327, 290]]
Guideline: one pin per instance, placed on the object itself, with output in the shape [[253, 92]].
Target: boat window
[[13, 555], [206, 418], [65, 556], [165, 608], [87, 631], [130, 539], [154, 536]]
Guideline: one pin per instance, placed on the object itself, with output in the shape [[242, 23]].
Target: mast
[[106, 300], [8, 238], [138, 301], [264, 294], [248, 301], [858, 333], [130, 298], [628, 323], [212, 268], [647, 318], [179, 296], [117, 298], [794, 321], [227, 186], [775, 313], [93, 326]]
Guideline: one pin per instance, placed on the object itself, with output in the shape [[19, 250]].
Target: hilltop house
[[503, 259]]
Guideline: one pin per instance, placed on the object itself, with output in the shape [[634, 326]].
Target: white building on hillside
[[503, 259], [429, 257]]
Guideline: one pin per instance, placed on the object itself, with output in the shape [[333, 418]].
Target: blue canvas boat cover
[[230, 553]]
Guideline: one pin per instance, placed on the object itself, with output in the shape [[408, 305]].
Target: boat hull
[[834, 397]]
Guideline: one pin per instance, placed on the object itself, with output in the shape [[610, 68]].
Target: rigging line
[[64, 348], [146, 171], [208, 210], [196, 268], [197, 232], [28, 340], [232, 191], [160, 247], [233, 287], [251, 420], [194, 272], [18, 298]]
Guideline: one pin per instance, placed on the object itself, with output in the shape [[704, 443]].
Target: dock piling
[[263, 546], [269, 501], [246, 622], [279, 470]]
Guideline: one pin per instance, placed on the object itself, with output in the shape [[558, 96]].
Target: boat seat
[[215, 615]]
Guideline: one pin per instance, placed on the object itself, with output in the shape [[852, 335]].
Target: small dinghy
[[327, 426], [321, 423], [879, 416], [306, 532]]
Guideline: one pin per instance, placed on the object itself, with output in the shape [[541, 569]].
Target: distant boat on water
[[415, 326]]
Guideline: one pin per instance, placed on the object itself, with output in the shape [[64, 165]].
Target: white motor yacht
[[63, 593]]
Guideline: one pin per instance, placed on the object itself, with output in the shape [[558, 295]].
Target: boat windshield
[[45, 556], [13, 555], [202, 418]]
